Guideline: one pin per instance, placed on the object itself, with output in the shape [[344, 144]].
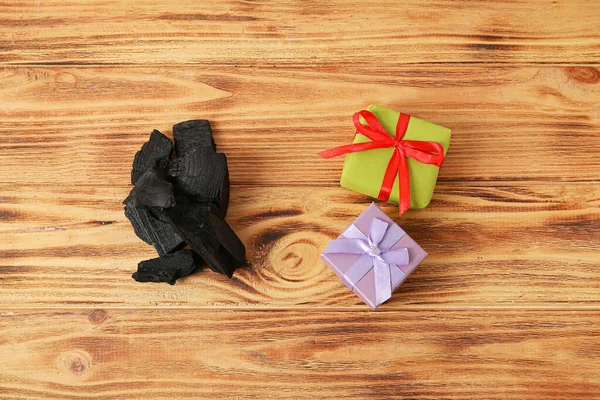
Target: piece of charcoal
[[149, 227], [224, 203], [167, 268], [155, 152], [208, 235], [151, 190], [200, 175], [191, 134]]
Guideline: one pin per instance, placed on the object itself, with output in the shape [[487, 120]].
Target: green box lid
[[363, 171]]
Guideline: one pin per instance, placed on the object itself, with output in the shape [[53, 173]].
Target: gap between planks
[[290, 67], [8, 310], [453, 183]]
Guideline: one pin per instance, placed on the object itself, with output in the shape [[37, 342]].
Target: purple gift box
[[373, 256]]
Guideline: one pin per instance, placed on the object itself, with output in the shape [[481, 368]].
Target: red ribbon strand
[[424, 152]]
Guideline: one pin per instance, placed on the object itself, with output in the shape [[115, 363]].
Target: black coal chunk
[[155, 152], [181, 202], [201, 175], [191, 134], [208, 235], [151, 190], [167, 268], [224, 202], [148, 225]]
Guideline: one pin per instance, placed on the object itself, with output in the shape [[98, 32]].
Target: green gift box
[[364, 170]]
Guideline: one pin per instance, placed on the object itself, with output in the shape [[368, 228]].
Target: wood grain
[[191, 354], [306, 34], [516, 245], [509, 124], [507, 305]]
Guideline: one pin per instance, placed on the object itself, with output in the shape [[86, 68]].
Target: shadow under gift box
[[366, 288], [363, 171]]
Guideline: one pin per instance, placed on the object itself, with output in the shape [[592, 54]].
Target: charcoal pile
[[179, 203]]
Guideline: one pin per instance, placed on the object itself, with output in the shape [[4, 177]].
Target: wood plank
[[305, 34], [191, 354], [518, 245], [509, 124]]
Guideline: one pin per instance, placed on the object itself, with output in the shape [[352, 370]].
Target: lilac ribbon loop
[[376, 252]]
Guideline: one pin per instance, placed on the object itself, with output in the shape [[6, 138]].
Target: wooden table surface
[[507, 305]]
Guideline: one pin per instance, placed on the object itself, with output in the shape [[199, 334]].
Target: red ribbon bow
[[424, 152]]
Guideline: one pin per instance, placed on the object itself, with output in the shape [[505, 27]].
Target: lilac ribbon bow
[[376, 252]]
